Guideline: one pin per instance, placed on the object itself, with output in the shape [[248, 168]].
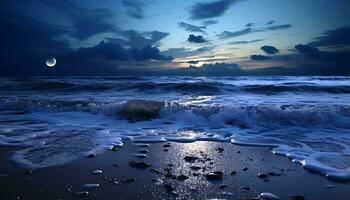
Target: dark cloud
[[192, 28], [245, 42], [318, 56], [279, 27], [250, 25], [134, 8], [196, 39], [270, 22], [210, 9], [336, 37], [148, 53], [306, 49], [250, 29], [110, 51], [259, 57], [269, 49], [136, 39], [86, 22], [94, 23], [210, 22], [228, 34]]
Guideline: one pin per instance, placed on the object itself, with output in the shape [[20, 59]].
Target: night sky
[[175, 37]]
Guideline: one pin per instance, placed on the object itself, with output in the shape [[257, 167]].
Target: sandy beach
[[170, 171]]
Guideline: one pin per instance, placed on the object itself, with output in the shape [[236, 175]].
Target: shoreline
[[170, 175]]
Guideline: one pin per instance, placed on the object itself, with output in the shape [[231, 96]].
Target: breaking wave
[[58, 120]]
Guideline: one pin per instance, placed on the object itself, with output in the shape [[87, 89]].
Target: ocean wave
[[243, 116], [196, 87], [296, 87]]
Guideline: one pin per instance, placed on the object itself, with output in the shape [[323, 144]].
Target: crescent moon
[[51, 62]]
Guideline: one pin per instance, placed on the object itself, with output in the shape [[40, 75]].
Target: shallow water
[[60, 119]]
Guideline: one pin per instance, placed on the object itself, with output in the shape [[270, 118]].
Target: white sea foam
[[306, 119]]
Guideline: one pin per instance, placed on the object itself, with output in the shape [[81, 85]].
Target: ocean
[[58, 119]]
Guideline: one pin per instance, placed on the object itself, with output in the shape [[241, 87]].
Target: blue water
[[57, 120]]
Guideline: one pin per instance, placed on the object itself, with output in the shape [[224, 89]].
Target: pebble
[[91, 186], [166, 150], [190, 159], [268, 196], [297, 197], [274, 174], [140, 155], [97, 172], [195, 168], [222, 186], [182, 177], [82, 194], [140, 165], [169, 187], [244, 168], [157, 171], [261, 175], [330, 186], [233, 173], [214, 175], [91, 155], [219, 149], [166, 145], [157, 181], [245, 188]]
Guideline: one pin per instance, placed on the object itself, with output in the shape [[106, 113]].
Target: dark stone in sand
[[274, 174], [214, 175], [166, 145], [157, 171], [222, 186], [244, 168], [139, 110], [261, 175], [219, 149], [166, 150], [115, 165], [91, 155], [233, 173], [141, 165], [82, 194], [128, 180], [143, 151], [182, 177], [190, 159], [168, 174], [238, 151], [297, 197], [195, 168], [169, 187]]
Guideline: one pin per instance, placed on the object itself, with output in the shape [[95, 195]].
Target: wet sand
[[190, 178]]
